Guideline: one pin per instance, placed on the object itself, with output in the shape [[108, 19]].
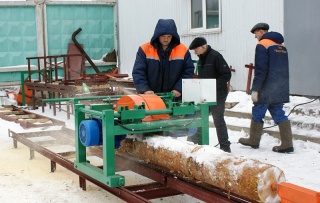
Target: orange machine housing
[[290, 193], [151, 101]]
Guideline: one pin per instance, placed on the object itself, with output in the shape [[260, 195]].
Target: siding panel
[[235, 42], [302, 40], [96, 22]]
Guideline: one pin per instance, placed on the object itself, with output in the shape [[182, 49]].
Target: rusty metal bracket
[[82, 50], [251, 67]]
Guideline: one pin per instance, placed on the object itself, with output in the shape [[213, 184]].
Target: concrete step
[[299, 121], [302, 128]]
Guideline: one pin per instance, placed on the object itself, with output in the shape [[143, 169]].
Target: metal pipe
[[82, 50], [91, 112], [96, 98], [82, 98]]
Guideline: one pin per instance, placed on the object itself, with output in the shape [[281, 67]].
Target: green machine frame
[[129, 121]]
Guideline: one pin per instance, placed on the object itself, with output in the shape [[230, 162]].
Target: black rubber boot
[[255, 135], [193, 138], [225, 148], [286, 138]]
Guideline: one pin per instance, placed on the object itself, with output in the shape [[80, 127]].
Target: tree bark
[[245, 177]]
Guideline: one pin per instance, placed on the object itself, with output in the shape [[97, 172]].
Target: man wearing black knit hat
[[211, 65]]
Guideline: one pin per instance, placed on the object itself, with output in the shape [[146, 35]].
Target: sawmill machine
[[106, 123]]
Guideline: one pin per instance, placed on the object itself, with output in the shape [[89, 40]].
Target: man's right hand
[[149, 92], [176, 93]]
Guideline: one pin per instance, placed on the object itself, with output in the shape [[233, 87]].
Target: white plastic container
[[199, 90]]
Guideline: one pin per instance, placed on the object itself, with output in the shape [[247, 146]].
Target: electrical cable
[[288, 114], [194, 118], [293, 109]]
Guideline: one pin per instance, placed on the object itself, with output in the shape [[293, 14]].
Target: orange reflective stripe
[[268, 42], [150, 51], [177, 53]]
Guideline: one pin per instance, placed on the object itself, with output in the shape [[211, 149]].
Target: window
[[205, 14]]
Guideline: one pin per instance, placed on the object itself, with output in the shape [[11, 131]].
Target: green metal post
[[203, 139], [108, 143], [131, 123], [23, 96], [107, 174], [80, 149]]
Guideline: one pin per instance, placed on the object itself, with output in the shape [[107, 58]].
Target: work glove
[[176, 93], [254, 96], [148, 92]]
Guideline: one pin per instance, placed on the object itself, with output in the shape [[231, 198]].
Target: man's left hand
[[176, 93], [254, 96]]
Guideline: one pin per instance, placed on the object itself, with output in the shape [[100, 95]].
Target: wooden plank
[[62, 149], [230, 105], [11, 112], [39, 120], [23, 116], [6, 109], [41, 139]]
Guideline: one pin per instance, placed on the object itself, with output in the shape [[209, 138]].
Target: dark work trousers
[[217, 112]]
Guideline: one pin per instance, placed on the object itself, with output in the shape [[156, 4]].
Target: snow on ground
[[24, 180]]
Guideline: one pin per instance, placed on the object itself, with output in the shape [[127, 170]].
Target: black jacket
[[211, 65]]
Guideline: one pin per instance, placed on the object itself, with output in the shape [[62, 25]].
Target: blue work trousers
[[276, 111]]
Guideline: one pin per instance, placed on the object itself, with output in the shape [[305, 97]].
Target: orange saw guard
[[152, 102]]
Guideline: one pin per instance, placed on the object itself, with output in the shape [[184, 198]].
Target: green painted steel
[[9, 76], [129, 122], [125, 122], [166, 97], [18, 36], [96, 22], [18, 33], [106, 175]]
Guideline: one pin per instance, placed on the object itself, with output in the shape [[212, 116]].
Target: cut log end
[[270, 176]]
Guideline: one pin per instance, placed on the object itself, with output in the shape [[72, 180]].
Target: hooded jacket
[[162, 70], [211, 64], [271, 74]]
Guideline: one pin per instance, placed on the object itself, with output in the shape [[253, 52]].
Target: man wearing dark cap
[[260, 26], [270, 88], [211, 65]]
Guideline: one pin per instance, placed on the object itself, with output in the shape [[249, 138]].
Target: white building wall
[[137, 20], [136, 23]]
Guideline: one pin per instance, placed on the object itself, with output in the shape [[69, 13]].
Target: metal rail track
[[165, 183]]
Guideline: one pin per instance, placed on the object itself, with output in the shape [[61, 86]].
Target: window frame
[[203, 29]]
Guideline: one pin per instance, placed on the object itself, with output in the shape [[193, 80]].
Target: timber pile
[[26, 118], [245, 177]]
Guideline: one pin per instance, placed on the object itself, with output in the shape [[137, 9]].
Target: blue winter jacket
[[271, 74], [162, 70]]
